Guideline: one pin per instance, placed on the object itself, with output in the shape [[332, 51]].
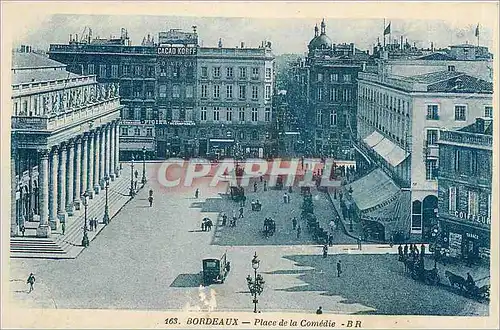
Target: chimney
[[432, 46], [220, 43], [242, 44], [76, 38], [70, 38], [353, 49], [402, 43]]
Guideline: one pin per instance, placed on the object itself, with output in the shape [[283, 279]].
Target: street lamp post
[[144, 180], [132, 190], [105, 219], [255, 285], [85, 239]]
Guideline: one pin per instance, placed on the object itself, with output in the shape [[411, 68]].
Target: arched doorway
[[429, 215]]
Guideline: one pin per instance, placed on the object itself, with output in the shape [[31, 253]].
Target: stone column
[[105, 151], [90, 166], [70, 175], [77, 189], [112, 151], [54, 163], [14, 228], [108, 151], [117, 149], [43, 229], [61, 192], [85, 160], [102, 157], [97, 146]]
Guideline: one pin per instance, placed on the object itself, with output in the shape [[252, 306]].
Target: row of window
[[334, 94], [202, 133], [136, 131], [230, 72], [242, 92], [334, 77], [385, 100], [473, 202], [460, 112], [241, 112], [188, 91]]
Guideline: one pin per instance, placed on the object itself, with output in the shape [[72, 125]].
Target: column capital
[[63, 146], [44, 153], [79, 139]]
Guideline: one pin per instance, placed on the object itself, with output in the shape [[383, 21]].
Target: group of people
[[93, 223], [412, 251], [269, 227], [206, 224], [256, 205]]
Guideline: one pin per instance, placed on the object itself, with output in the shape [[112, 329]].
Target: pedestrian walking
[[224, 219], [319, 310], [265, 185], [359, 243], [294, 223], [241, 213], [31, 281], [203, 224], [136, 174], [96, 222], [135, 184], [23, 229], [261, 178], [288, 199], [255, 185], [243, 200], [150, 201], [400, 252], [422, 250], [285, 198], [91, 224], [332, 226], [150, 192], [197, 193], [63, 227], [405, 250], [298, 231], [330, 240], [339, 268], [325, 251]]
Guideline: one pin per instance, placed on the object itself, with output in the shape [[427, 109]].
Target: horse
[[455, 280]]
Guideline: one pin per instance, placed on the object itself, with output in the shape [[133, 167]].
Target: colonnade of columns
[[67, 170]]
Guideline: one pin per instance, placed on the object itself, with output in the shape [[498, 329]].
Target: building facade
[[465, 189], [399, 119], [64, 140], [180, 99], [235, 111], [328, 86]]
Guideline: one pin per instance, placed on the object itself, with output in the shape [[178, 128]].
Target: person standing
[[255, 185], [197, 193], [325, 251], [422, 250], [359, 243], [298, 231], [400, 252], [23, 229], [96, 222], [265, 185], [241, 213], [224, 219], [339, 268], [63, 227], [31, 281], [294, 223], [319, 310], [330, 240], [150, 201], [91, 224], [405, 250], [285, 198]]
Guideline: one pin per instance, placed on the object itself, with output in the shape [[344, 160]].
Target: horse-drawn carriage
[[269, 227], [467, 286], [237, 193], [416, 268]]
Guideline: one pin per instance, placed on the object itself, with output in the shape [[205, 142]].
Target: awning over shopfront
[[387, 149], [373, 139], [379, 199], [373, 189]]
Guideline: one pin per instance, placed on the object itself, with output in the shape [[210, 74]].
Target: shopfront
[[465, 240]]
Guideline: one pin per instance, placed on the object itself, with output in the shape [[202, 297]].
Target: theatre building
[[234, 110], [465, 189], [64, 140]]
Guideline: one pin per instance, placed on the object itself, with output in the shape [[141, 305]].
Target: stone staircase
[[69, 245]]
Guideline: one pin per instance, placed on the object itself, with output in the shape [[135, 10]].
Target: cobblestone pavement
[[150, 258]]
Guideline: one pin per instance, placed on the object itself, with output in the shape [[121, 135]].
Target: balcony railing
[[466, 138], [69, 117], [117, 49]]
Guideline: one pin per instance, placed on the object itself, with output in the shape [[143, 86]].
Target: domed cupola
[[321, 41]]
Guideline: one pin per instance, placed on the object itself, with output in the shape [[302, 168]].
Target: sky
[[287, 35]]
